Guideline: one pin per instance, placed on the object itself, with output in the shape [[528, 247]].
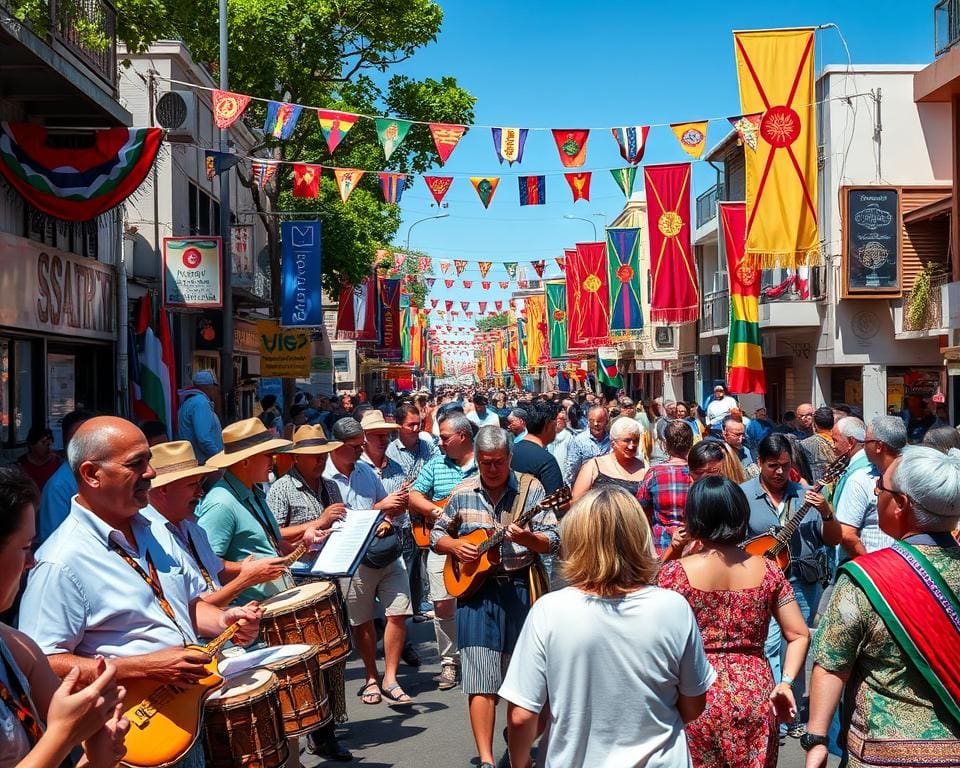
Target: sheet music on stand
[[345, 546]]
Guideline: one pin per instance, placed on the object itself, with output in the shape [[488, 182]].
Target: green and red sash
[[920, 610]]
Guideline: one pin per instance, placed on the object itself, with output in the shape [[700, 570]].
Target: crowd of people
[[663, 618]]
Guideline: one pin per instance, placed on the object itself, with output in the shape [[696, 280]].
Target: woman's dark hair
[[716, 510], [678, 438], [16, 491], [773, 445], [574, 415], [704, 452], [942, 438], [36, 434], [268, 401]]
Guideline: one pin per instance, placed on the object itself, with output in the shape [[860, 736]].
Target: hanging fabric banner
[[464, 305], [399, 259], [776, 72], [485, 284], [572, 146], [444, 266], [347, 180], [624, 178], [438, 186], [448, 304], [556, 293], [424, 264], [536, 330], [632, 141], [623, 275], [468, 283], [346, 317], [281, 119], [498, 305], [262, 172], [508, 143], [306, 180], [390, 319], [608, 371], [482, 305], [485, 187], [391, 184], [445, 138], [228, 107], [301, 305], [692, 137], [484, 267], [533, 190], [449, 283], [744, 350], [218, 162], [76, 184], [334, 126], [504, 284], [539, 266], [561, 261], [430, 281], [391, 133], [459, 265], [747, 128], [588, 297], [675, 298], [579, 185], [511, 268]]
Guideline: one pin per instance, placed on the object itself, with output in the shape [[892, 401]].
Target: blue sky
[[596, 65]]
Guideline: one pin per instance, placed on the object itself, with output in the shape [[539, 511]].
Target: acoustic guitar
[[421, 527], [775, 543], [463, 579], [165, 719]]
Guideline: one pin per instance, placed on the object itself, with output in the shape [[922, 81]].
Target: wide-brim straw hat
[[244, 439], [312, 439], [373, 421], [175, 461]]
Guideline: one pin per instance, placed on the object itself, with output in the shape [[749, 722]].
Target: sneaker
[[448, 678], [796, 730]]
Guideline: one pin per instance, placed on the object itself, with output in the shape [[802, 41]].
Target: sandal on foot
[[368, 696], [396, 694]]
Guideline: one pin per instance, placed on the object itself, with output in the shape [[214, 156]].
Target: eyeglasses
[[872, 440], [881, 487]]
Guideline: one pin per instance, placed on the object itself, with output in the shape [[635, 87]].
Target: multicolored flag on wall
[[533, 190], [334, 126], [579, 185], [281, 119], [608, 372], [508, 144], [571, 145], [391, 184], [632, 141], [153, 373], [623, 275], [556, 293], [536, 330]]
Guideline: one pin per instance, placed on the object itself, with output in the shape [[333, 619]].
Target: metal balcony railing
[[707, 204], [88, 29], [946, 25], [716, 311]]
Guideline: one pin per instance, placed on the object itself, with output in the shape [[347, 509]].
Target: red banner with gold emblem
[[588, 296]]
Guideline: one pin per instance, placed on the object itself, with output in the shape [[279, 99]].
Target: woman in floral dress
[[733, 595]]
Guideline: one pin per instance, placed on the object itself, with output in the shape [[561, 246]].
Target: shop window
[[61, 392], [18, 384], [204, 211]]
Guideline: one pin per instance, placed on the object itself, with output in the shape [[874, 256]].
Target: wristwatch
[[810, 740]]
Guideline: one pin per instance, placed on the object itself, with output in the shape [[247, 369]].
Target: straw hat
[[175, 461], [373, 421], [244, 439], [309, 439]]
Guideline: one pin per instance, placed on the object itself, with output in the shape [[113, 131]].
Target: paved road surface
[[434, 732]]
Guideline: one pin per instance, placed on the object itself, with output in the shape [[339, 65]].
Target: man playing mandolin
[[489, 618]]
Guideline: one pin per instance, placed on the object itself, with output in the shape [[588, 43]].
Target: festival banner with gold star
[[623, 275], [775, 69], [588, 297], [675, 297]]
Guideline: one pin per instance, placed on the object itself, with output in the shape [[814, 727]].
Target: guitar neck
[[216, 645], [784, 535], [295, 555]]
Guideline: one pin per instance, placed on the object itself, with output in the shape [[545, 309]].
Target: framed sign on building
[[871, 254], [192, 272]]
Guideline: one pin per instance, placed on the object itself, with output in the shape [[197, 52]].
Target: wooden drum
[[243, 725], [304, 702], [308, 614]]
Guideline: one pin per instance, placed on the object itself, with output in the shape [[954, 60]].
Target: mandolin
[[165, 719], [463, 579], [775, 544]]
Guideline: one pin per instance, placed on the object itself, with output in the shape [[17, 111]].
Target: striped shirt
[[441, 475], [408, 460], [470, 509], [293, 502]]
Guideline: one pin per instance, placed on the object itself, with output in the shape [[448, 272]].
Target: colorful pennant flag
[[306, 180], [561, 261], [228, 107], [218, 162], [624, 178], [747, 128], [434, 302], [281, 119], [347, 180], [675, 298], [445, 138], [504, 284], [623, 276], [498, 305], [533, 190], [464, 305], [556, 292], [334, 126], [508, 143], [522, 284], [444, 266], [449, 305], [468, 283], [438, 186], [262, 172], [511, 267], [632, 141], [744, 350], [539, 266], [459, 265], [579, 185], [391, 184], [449, 283], [391, 133], [482, 305], [588, 296], [484, 267], [692, 137], [485, 186], [608, 372], [485, 284], [776, 72], [430, 281], [572, 146], [424, 264]]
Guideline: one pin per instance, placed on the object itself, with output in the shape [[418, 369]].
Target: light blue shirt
[[520, 437], [362, 489], [198, 423], [55, 501], [581, 449], [186, 533], [83, 598]]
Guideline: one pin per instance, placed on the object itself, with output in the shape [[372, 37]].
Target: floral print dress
[[738, 728]]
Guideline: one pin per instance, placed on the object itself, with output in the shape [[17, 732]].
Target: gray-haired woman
[[621, 467]]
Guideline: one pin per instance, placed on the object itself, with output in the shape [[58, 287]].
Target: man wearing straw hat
[[174, 495], [234, 513]]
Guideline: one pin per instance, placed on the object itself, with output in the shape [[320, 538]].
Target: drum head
[[251, 684], [291, 599], [263, 658]]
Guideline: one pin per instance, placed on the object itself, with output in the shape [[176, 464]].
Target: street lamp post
[[588, 221], [419, 221]]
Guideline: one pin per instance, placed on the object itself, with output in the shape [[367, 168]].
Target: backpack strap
[[520, 500]]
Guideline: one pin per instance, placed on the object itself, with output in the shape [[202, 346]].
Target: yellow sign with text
[[284, 352]]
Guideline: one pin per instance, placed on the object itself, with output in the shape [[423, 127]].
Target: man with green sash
[[889, 642]]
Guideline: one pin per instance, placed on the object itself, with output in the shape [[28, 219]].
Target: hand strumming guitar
[[521, 536], [465, 551]]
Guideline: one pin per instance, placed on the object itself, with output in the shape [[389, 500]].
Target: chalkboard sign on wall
[[872, 240]]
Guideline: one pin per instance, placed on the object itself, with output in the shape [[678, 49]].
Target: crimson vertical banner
[[357, 313], [390, 318], [588, 296]]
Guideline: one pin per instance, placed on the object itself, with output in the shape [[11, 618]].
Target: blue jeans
[[194, 758], [775, 649]]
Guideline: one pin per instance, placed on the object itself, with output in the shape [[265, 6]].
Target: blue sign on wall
[[300, 274]]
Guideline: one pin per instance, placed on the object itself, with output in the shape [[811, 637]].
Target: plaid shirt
[[470, 509], [293, 502], [441, 475], [663, 494]]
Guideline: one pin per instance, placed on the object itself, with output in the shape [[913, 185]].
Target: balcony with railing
[[88, 29], [707, 204], [946, 25], [716, 313]]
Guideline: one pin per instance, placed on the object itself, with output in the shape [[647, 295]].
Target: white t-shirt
[[488, 419], [613, 668]]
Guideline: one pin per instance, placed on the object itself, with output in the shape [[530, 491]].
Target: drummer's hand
[[248, 616], [261, 570], [466, 552], [313, 537], [332, 514], [176, 665]]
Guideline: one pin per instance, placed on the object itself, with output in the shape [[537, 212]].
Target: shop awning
[[939, 207]]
